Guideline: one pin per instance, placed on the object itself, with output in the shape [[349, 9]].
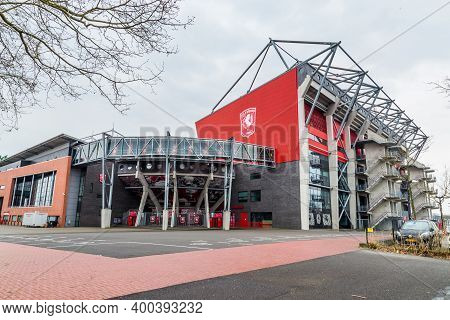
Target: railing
[[360, 170], [418, 192], [361, 187], [363, 208], [372, 165], [319, 179], [374, 180], [174, 147], [376, 201], [391, 173], [425, 205], [362, 223], [384, 216], [315, 162], [395, 195]]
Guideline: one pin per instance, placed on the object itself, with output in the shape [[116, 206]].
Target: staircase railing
[[377, 201]]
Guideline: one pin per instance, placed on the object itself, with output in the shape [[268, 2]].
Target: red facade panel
[[267, 116]]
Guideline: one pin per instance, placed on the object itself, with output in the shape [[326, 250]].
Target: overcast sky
[[227, 35]]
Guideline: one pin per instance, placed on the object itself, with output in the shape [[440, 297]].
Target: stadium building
[[320, 145]]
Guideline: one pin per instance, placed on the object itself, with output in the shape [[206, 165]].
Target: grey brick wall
[[280, 192], [123, 199]]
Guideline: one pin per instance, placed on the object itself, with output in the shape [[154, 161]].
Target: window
[[319, 207], [243, 196], [255, 195], [34, 190], [318, 169], [255, 175]]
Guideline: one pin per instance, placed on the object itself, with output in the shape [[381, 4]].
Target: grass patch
[[416, 250]]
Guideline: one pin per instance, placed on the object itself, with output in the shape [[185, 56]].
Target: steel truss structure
[[120, 147], [356, 91], [113, 147]]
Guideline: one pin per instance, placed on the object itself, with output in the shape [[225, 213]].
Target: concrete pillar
[[165, 219], [141, 205], [304, 157], [175, 199], [333, 166], [226, 220], [351, 170], [106, 218], [207, 214]]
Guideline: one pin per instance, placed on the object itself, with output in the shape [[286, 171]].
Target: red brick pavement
[[37, 273]]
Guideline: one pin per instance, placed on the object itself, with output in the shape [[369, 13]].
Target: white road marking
[[128, 242]]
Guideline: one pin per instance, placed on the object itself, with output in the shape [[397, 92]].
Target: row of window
[[34, 190], [255, 196], [318, 170]]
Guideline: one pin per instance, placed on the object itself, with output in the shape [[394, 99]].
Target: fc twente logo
[[248, 122]]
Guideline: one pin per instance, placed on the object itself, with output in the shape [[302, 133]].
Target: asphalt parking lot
[[355, 275], [146, 243]]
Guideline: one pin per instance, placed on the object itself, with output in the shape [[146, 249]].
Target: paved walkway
[[38, 273]]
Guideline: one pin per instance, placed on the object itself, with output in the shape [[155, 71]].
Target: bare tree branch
[[69, 48]]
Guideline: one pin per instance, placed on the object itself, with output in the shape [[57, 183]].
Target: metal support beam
[[316, 98], [175, 197], [240, 77], [279, 54], [218, 203], [149, 193], [202, 194], [207, 214], [165, 218]]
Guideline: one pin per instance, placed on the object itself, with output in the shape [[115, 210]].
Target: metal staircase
[[377, 201], [381, 218], [373, 181]]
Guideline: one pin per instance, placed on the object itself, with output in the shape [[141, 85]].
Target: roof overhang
[[39, 148]]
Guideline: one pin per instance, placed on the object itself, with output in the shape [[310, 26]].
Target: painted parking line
[[127, 242]]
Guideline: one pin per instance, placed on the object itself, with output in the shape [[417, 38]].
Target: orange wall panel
[[61, 166]]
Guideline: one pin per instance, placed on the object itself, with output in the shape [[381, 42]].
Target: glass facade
[[319, 193], [343, 195], [318, 169], [34, 190], [319, 207]]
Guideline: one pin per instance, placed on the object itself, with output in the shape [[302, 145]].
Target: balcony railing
[[319, 179], [391, 173], [315, 162], [361, 187], [394, 195], [361, 170], [363, 208]]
